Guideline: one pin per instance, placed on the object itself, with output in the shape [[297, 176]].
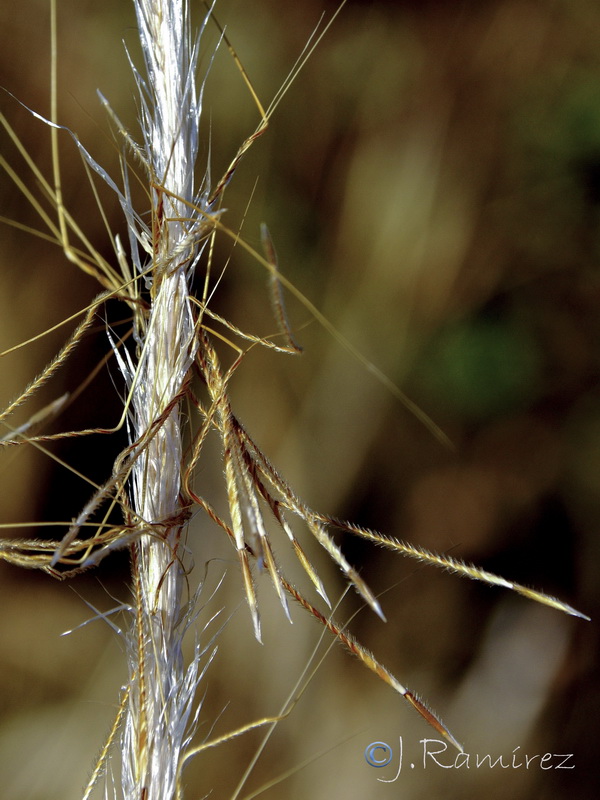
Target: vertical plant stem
[[162, 689]]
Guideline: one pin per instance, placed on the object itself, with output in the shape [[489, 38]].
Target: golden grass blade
[[454, 565], [369, 660], [54, 365]]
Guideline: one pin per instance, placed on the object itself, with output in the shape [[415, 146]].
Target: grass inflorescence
[[176, 395]]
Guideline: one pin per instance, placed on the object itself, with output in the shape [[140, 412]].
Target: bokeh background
[[432, 183]]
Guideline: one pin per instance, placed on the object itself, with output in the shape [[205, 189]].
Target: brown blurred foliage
[[432, 183]]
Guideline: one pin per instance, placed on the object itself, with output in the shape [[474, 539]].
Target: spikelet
[[152, 478]]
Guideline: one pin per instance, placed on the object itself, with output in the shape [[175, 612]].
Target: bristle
[[548, 600], [369, 660], [250, 594], [276, 577], [310, 571], [454, 565], [431, 719]]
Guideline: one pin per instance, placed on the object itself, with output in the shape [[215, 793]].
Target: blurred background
[[431, 181]]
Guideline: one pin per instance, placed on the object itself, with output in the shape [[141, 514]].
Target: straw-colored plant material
[[172, 374]]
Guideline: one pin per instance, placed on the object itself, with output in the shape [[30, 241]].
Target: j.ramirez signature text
[[435, 753]]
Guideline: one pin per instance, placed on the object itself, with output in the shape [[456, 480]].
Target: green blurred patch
[[553, 202], [482, 367]]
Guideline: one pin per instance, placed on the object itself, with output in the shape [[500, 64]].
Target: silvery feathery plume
[[161, 693]]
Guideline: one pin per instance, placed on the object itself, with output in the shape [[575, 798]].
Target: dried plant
[[176, 396]]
